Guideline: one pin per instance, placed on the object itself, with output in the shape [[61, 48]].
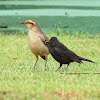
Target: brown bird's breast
[[37, 47]]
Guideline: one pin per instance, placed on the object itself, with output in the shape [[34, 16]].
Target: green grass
[[18, 80]]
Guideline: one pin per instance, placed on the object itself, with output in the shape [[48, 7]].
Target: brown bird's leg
[[36, 62], [45, 62], [59, 66]]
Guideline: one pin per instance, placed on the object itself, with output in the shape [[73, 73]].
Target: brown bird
[[37, 40]]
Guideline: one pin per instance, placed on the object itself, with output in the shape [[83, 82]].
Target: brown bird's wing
[[44, 39]]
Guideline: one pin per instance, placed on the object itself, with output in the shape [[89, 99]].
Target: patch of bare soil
[[72, 95]]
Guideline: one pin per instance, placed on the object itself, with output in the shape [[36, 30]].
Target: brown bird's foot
[[33, 71], [34, 67], [45, 69], [36, 62], [45, 65]]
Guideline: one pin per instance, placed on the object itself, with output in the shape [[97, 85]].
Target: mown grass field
[[18, 80]]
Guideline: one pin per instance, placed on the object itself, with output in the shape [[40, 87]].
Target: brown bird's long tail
[[86, 59]]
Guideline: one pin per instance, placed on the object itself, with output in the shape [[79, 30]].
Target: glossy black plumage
[[62, 54]]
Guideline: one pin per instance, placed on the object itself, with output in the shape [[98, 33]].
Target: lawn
[[18, 80]]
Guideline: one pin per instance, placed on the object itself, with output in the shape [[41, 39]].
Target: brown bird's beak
[[23, 23]]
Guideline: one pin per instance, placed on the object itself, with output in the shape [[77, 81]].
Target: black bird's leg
[[59, 66], [67, 66]]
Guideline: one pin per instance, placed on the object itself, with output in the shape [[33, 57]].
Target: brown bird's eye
[[31, 23]]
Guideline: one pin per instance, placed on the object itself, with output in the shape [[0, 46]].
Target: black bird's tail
[[80, 58]]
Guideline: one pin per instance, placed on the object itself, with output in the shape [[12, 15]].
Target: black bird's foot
[[59, 67], [66, 69], [56, 70]]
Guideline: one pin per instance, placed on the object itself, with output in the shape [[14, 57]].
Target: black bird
[[62, 54]]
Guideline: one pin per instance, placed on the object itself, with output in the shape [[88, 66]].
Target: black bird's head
[[53, 42], [53, 39]]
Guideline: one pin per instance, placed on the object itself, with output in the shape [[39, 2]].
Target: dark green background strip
[[89, 24], [71, 15], [8, 7]]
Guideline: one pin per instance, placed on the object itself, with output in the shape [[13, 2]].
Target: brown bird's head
[[31, 24]]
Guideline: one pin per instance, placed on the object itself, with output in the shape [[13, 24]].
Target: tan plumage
[[37, 40]]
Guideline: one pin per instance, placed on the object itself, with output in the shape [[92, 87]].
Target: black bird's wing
[[63, 55]]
